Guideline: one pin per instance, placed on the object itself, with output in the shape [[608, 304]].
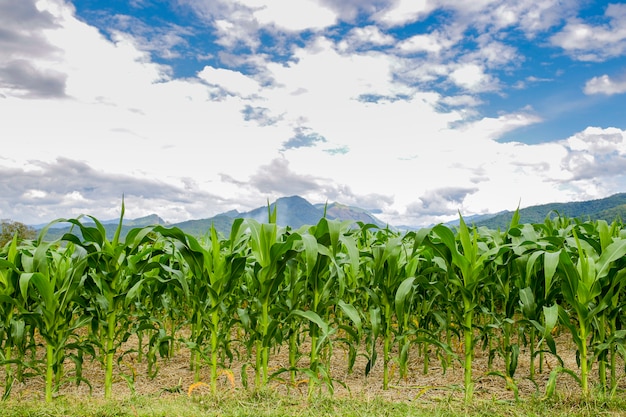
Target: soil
[[174, 376]]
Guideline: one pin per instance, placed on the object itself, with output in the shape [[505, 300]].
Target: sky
[[414, 109]]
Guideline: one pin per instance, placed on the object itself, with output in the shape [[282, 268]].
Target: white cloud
[[238, 22], [292, 15], [235, 30], [462, 100], [164, 41], [231, 81], [356, 117], [588, 42], [432, 43], [605, 85], [472, 77], [528, 15], [494, 53], [595, 153], [403, 11], [492, 128], [365, 36]]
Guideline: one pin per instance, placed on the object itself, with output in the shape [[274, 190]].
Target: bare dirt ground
[[174, 377]]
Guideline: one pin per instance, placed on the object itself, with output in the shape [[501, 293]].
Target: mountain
[[296, 212], [201, 227], [609, 209], [343, 212], [149, 220], [475, 218], [59, 229], [291, 211]]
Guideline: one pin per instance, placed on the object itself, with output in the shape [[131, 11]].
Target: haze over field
[[413, 109]]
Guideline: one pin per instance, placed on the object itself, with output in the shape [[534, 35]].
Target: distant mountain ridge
[[296, 212], [609, 209], [293, 211]]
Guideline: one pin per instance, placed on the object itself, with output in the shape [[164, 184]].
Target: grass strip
[[268, 403]]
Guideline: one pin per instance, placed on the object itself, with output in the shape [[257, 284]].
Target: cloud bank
[[333, 101]]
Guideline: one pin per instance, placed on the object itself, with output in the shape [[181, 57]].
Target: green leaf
[[313, 317], [613, 252], [405, 289], [550, 262], [527, 302], [352, 313]]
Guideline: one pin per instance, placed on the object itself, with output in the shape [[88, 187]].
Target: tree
[[9, 228]]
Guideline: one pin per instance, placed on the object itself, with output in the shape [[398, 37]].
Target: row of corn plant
[[439, 291]]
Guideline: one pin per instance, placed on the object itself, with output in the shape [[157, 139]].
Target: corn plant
[[50, 285], [383, 269], [537, 250], [163, 283], [588, 285], [215, 271], [312, 299], [11, 327], [294, 298], [327, 249], [271, 251], [605, 336], [115, 272], [466, 270]]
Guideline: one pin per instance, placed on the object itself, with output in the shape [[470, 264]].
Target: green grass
[[269, 403]]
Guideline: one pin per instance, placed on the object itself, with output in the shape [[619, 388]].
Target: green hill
[[609, 209]]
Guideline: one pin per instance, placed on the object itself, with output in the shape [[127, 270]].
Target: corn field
[[440, 293]]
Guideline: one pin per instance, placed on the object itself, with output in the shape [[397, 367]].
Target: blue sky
[[413, 108]]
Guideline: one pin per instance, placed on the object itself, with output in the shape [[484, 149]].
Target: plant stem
[[49, 371], [386, 348], [532, 354], [584, 362], [108, 371], [469, 350], [293, 354], [262, 353], [214, 341], [613, 367]]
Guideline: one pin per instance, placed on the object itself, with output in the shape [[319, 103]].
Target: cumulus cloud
[[237, 23], [65, 176], [589, 42], [42, 190], [400, 12], [595, 153], [605, 84], [21, 29], [26, 80], [243, 22], [433, 42], [485, 15], [472, 77], [492, 128], [365, 37], [233, 82], [349, 10], [26, 56], [367, 116], [442, 201], [529, 16], [292, 15], [278, 178], [165, 40]]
